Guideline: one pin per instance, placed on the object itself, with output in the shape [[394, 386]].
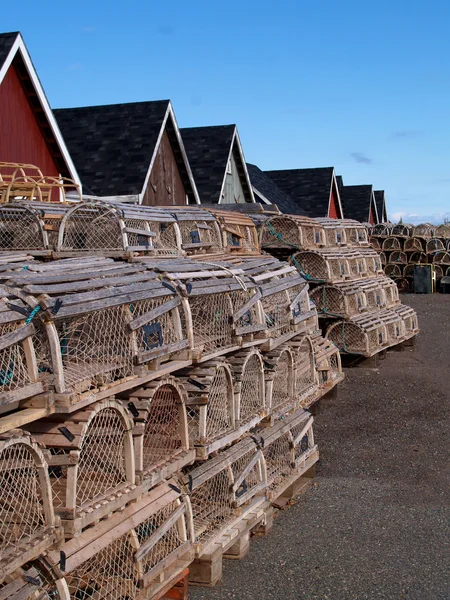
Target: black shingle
[[356, 202], [265, 185], [309, 188], [112, 145], [6, 43]]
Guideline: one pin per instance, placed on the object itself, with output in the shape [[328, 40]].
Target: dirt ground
[[376, 523]]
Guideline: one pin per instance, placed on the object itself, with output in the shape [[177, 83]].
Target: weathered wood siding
[[21, 139], [233, 192], [333, 211], [165, 186]]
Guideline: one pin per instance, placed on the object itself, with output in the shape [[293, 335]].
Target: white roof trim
[[372, 201], [169, 112], [237, 140], [263, 198], [19, 46]]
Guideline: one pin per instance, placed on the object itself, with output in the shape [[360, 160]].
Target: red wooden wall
[[371, 217], [165, 186], [333, 211], [21, 139]]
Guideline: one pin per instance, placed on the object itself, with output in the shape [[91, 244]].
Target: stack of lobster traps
[[155, 371], [357, 303], [405, 246]]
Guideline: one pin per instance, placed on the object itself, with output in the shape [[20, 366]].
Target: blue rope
[[34, 312]]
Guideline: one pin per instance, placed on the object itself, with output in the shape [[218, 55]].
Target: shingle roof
[[356, 202], [381, 205], [266, 186], [6, 43], [208, 150], [112, 145], [309, 188]]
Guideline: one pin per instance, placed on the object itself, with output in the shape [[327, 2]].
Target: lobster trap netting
[[251, 317], [329, 300], [441, 258], [403, 285], [398, 257], [171, 541], [21, 229], [392, 270], [442, 231], [90, 227], [424, 230], [304, 368], [434, 245], [200, 235], [251, 398], [14, 372], [161, 331], [212, 505], [251, 483], [375, 243], [277, 317], [282, 381], [402, 230], [219, 418], [162, 434], [110, 574], [314, 266], [383, 258], [281, 232], [348, 337], [22, 514], [391, 243], [306, 442], [439, 271], [408, 271], [101, 466], [357, 236], [413, 245], [211, 321], [95, 348], [418, 258], [382, 229], [278, 461], [395, 331]]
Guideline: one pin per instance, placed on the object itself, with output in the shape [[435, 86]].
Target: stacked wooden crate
[[405, 246], [154, 374], [358, 305]]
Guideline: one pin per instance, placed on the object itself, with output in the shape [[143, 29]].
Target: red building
[[28, 130]]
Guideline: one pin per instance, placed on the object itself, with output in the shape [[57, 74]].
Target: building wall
[[165, 186], [333, 211], [233, 192], [21, 139], [371, 216]]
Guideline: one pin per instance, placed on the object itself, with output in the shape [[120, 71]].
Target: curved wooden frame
[[413, 244], [36, 580], [199, 230], [328, 364], [424, 230], [391, 243], [398, 257], [249, 387], [393, 270], [382, 229], [70, 446], [434, 245], [26, 546], [292, 232], [442, 231], [402, 230], [441, 258], [26, 221], [306, 379], [418, 258], [239, 234], [279, 378], [161, 440]]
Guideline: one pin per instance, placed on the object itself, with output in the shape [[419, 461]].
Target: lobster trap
[[441, 258], [135, 553], [409, 318], [344, 232], [289, 451], [27, 522], [305, 375], [442, 231], [199, 229], [19, 376], [224, 490], [96, 320], [372, 258], [402, 229], [109, 229], [91, 462], [328, 364], [383, 258], [279, 377], [247, 367], [221, 307], [424, 230], [413, 244], [161, 441], [211, 410], [288, 233], [376, 242], [418, 258], [392, 243], [239, 234], [22, 228], [331, 266], [398, 257], [392, 270], [434, 245], [34, 581]]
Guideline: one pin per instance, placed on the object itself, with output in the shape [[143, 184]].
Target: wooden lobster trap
[[19, 376], [418, 258], [382, 229], [441, 258], [402, 230], [91, 462], [161, 439], [328, 364], [247, 367], [398, 257], [306, 382], [199, 229], [288, 233], [280, 380], [383, 258], [442, 231], [97, 319], [434, 245], [390, 290], [344, 299], [344, 232], [366, 334], [135, 553], [34, 581], [392, 270], [109, 229], [239, 233], [22, 229], [424, 230], [289, 451], [376, 242], [413, 244], [224, 491], [409, 318], [403, 284], [27, 521], [211, 408], [331, 266], [221, 305], [392, 243], [374, 264]]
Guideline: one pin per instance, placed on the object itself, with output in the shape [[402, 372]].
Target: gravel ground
[[376, 523]]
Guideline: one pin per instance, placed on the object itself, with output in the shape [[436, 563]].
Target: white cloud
[[415, 219]]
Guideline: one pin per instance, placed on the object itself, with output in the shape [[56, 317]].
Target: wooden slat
[[154, 314]]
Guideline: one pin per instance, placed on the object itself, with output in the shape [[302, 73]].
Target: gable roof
[[266, 191], [13, 52], [114, 145], [357, 200], [380, 201], [309, 188], [209, 150]]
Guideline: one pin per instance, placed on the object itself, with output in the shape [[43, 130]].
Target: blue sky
[[361, 86]]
